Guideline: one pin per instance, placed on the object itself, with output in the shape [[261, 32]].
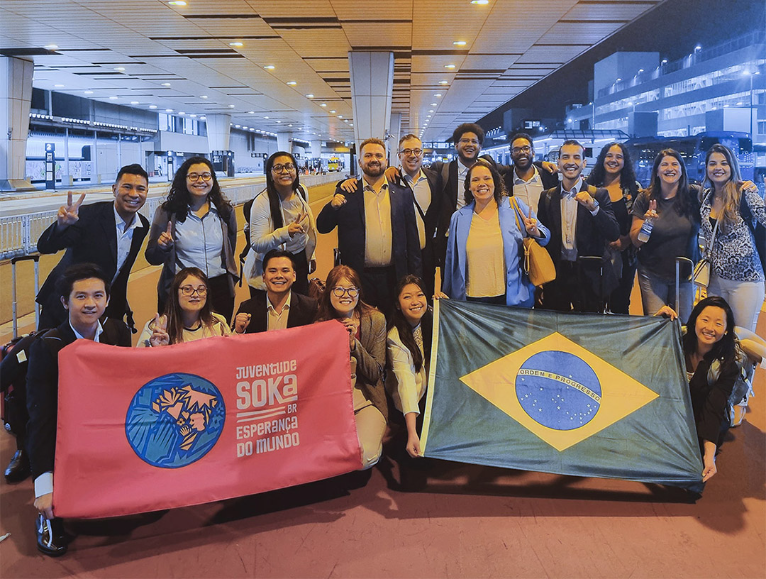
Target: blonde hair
[[731, 190]]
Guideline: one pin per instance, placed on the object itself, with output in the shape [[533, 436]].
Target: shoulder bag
[[538, 265]]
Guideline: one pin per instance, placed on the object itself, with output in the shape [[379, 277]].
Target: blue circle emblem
[[558, 390], [175, 420]]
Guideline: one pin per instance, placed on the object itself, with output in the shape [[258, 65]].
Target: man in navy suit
[[377, 232], [108, 234]]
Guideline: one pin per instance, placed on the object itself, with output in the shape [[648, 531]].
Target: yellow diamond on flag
[[558, 390]]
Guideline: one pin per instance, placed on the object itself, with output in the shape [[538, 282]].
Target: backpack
[[742, 389], [758, 230]]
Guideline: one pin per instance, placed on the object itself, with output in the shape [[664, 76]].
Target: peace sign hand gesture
[[69, 214]]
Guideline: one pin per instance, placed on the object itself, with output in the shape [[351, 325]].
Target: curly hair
[[179, 198], [627, 174]]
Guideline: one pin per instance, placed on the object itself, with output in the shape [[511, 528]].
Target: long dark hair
[[627, 174], [498, 180], [398, 321], [326, 311], [173, 307], [683, 198], [725, 349], [271, 188], [731, 190], [179, 198]]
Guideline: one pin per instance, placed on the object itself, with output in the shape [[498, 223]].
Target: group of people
[[405, 236]]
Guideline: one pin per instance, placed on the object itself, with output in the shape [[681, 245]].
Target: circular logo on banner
[[558, 390], [175, 420]]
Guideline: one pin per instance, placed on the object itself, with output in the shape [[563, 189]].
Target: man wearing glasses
[[526, 181], [108, 234], [377, 232], [279, 307]]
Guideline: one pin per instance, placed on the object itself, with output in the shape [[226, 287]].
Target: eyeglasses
[[197, 176], [468, 141], [289, 167], [408, 152], [188, 290], [339, 292], [524, 149]]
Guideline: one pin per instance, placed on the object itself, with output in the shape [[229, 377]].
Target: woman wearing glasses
[[187, 314], [196, 226], [280, 218], [366, 327]]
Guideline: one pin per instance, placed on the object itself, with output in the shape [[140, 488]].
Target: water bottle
[[646, 230]]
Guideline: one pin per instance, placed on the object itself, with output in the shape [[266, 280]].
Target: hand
[[392, 174], [621, 244], [312, 265], [552, 168], [652, 211], [530, 224], [584, 199], [440, 295], [165, 240], [159, 327], [413, 446], [708, 461], [748, 186], [338, 201], [668, 312], [44, 505], [352, 325], [349, 185], [69, 213], [296, 226], [241, 321]]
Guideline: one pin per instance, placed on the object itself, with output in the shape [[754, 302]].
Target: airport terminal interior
[[89, 86]]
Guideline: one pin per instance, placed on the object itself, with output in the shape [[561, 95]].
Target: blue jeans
[[657, 292]]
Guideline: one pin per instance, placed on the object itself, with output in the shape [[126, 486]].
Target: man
[[526, 181], [377, 232], [108, 234], [581, 221], [279, 307], [84, 294]]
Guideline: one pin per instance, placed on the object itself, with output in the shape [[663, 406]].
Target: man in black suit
[[581, 221], [108, 234], [84, 294], [526, 181], [279, 307], [377, 232]]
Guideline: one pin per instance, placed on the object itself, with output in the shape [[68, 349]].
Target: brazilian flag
[[565, 393]]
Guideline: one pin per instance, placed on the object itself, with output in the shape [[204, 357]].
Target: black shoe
[[51, 540], [18, 468]]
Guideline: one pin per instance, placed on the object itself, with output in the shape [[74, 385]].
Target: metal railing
[[19, 233]]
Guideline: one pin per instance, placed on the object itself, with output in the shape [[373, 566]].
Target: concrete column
[[372, 83], [395, 133], [218, 131], [15, 101], [285, 142], [316, 149]]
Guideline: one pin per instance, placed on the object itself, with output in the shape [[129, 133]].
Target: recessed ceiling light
[[437, 94], [323, 105], [165, 84], [269, 67], [152, 106], [351, 124], [236, 126], [231, 106], [460, 43], [289, 125], [279, 121], [112, 98], [333, 112], [265, 117], [134, 102], [177, 3], [250, 112], [204, 96], [51, 46], [450, 66], [482, 2], [88, 92], [181, 113], [237, 44], [443, 82], [168, 110], [310, 96], [345, 120], [193, 116], [340, 116], [203, 117], [291, 82], [430, 110], [58, 85], [434, 104]]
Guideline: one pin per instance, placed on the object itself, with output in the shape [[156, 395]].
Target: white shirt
[[421, 190], [124, 238], [378, 240], [569, 221], [528, 191], [274, 319], [462, 171]]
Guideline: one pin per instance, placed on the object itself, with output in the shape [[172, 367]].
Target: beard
[[523, 161], [374, 170]]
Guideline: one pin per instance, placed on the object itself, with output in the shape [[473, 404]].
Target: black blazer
[[92, 239], [350, 221], [302, 311], [42, 388], [549, 180]]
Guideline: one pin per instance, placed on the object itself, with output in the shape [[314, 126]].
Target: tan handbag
[[538, 265]]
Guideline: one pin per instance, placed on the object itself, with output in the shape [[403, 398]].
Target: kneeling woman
[[712, 366], [484, 242], [409, 350], [187, 316], [366, 327]]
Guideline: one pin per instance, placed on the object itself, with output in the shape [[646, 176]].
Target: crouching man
[[84, 291]]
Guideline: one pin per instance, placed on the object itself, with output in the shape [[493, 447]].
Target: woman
[[614, 172], [281, 218], [712, 367], [187, 314], [409, 350], [196, 227], [672, 206], [736, 274], [366, 327], [482, 261]]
